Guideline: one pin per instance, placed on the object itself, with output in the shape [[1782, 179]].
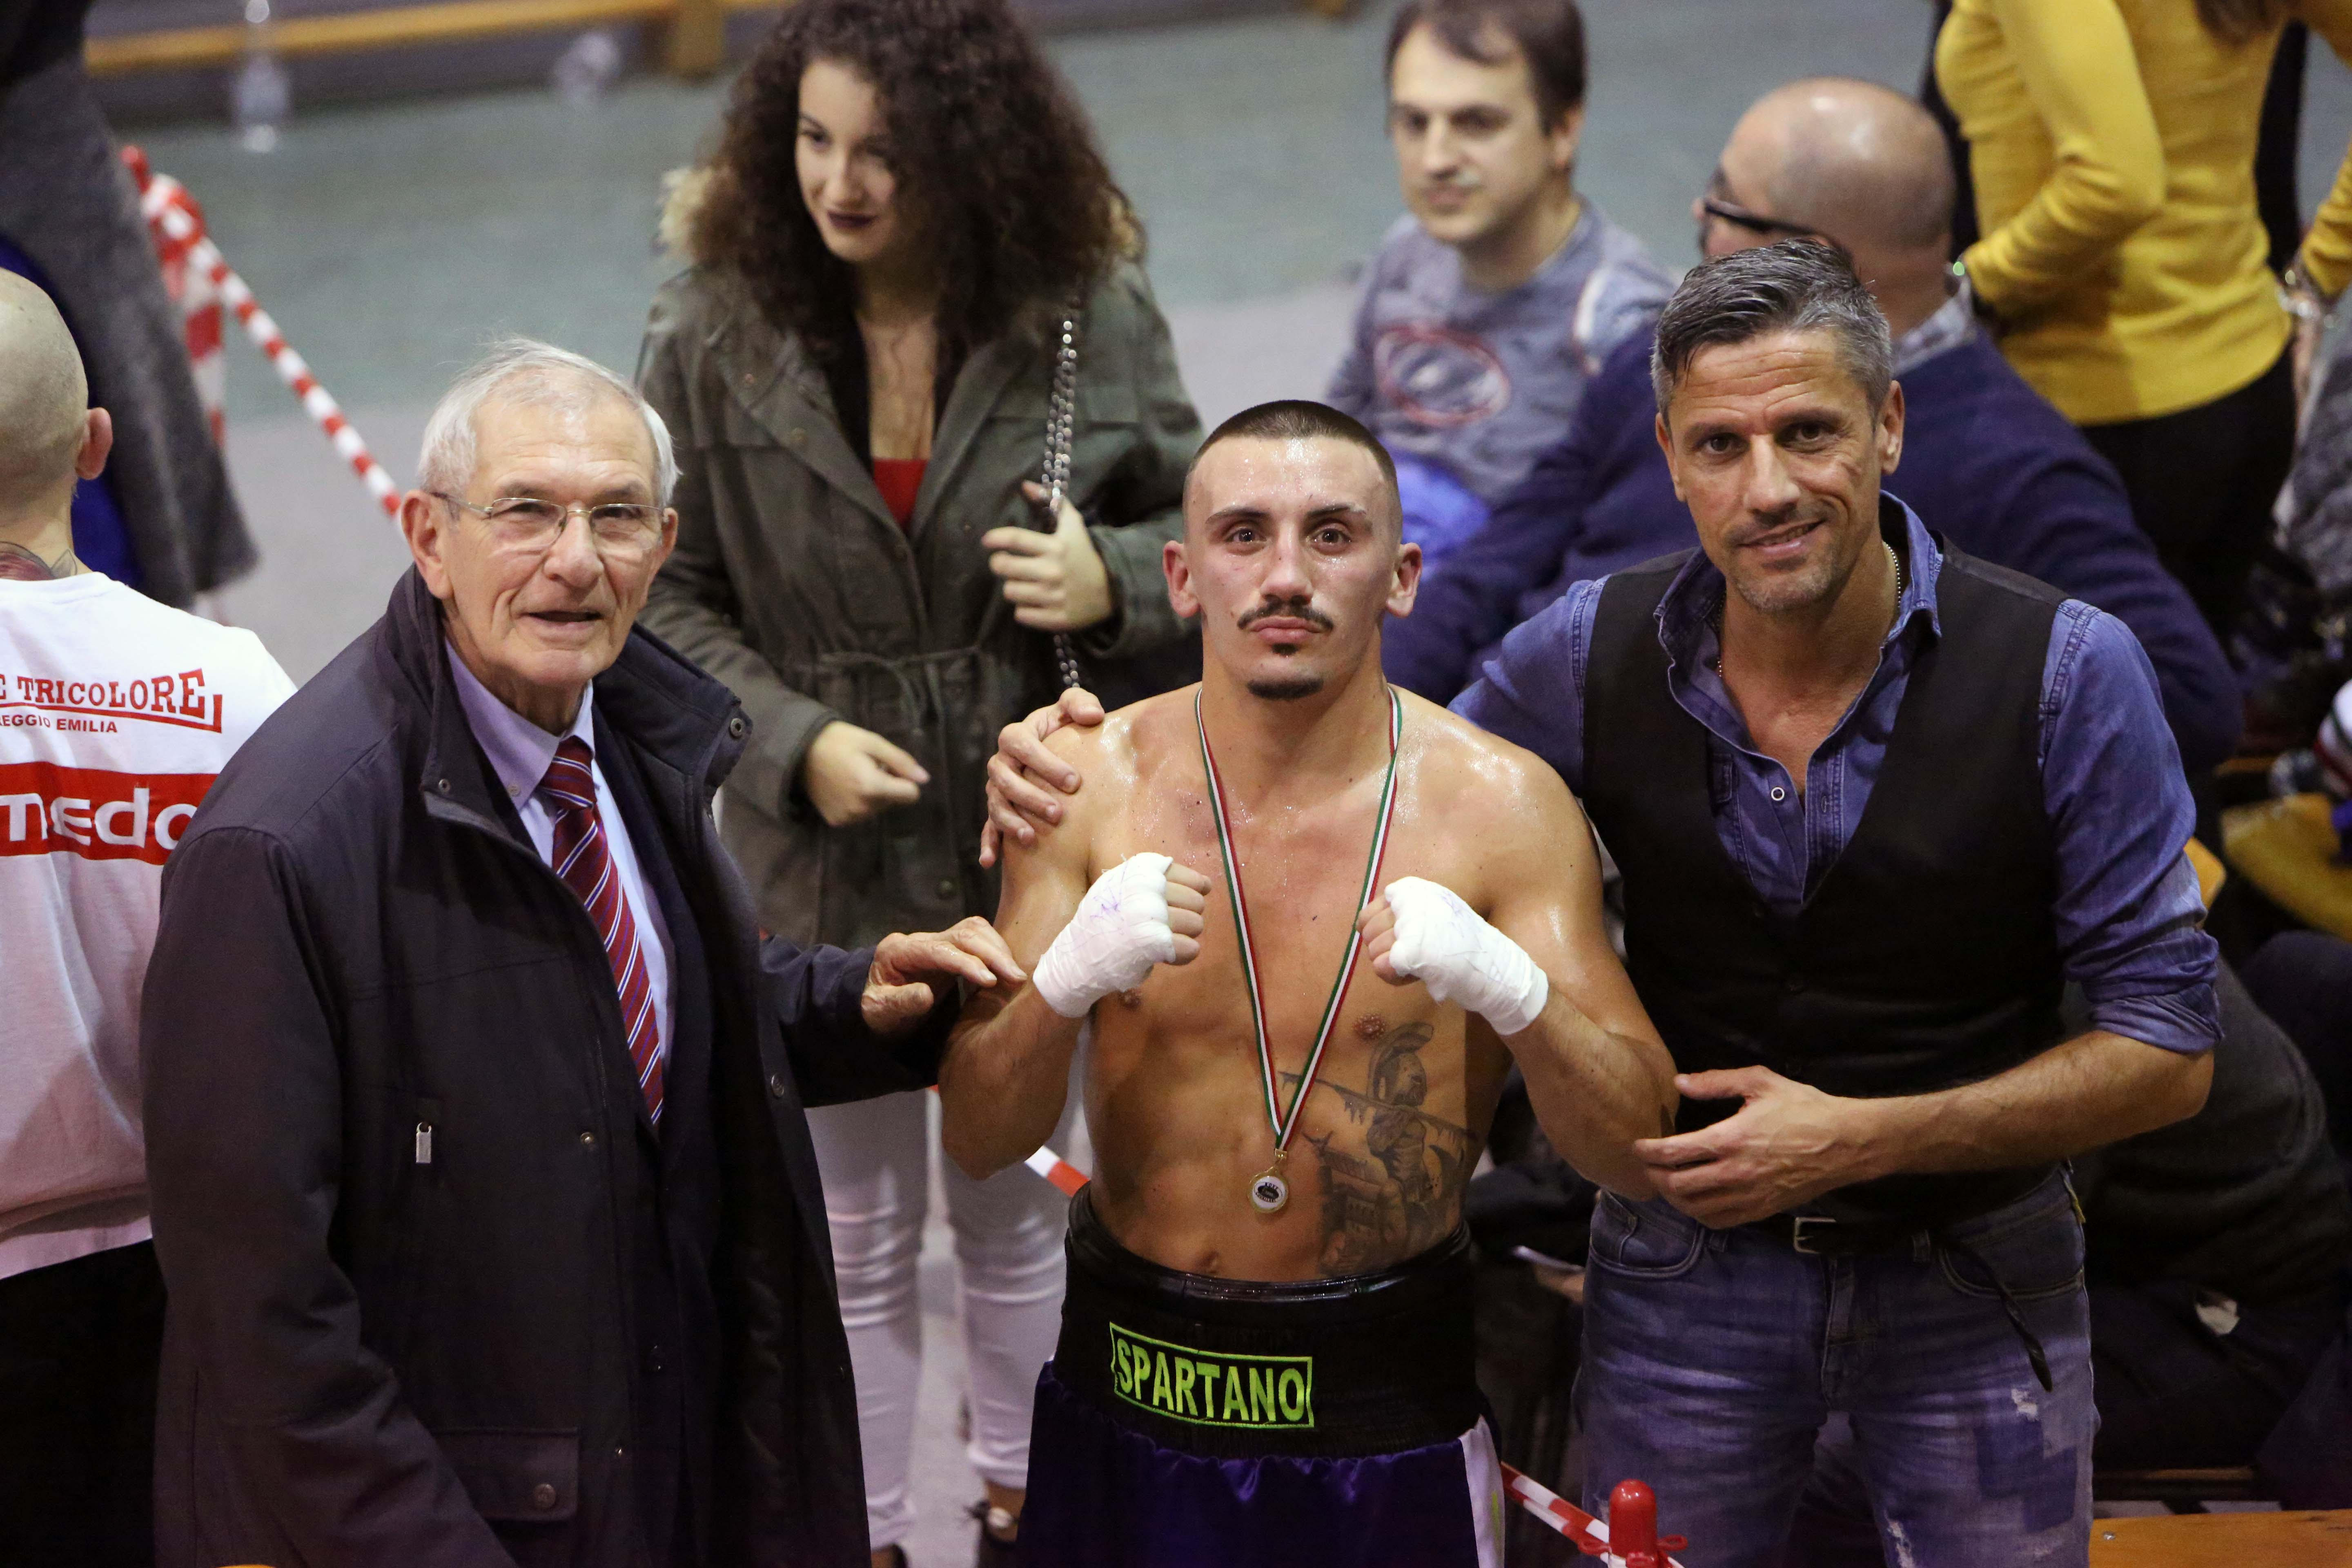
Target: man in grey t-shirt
[[1488, 308]]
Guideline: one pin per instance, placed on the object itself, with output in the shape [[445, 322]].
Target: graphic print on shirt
[[46, 809], [1438, 376], [42, 701], [101, 814]]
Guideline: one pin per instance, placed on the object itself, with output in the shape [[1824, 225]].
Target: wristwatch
[[2302, 297]]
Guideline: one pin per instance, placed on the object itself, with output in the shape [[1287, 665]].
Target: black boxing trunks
[[1187, 1421]]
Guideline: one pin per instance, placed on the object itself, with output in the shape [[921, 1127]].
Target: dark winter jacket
[[382, 1357]]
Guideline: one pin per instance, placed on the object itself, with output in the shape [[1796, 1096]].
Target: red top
[[898, 478]]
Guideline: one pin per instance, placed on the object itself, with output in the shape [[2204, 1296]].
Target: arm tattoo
[[1400, 1191], [19, 564]]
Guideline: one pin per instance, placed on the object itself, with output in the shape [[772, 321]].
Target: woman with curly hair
[[905, 207]]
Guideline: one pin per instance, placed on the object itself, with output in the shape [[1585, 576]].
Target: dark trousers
[[2171, 1394], [2201, 483], [2303, 978], [77, 1349]]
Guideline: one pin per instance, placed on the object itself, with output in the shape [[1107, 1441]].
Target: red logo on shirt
[[46, 809], [179, 701], [1438, 377]]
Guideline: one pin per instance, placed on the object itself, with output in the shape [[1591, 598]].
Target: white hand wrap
[[1120, 932], [1441, 942]]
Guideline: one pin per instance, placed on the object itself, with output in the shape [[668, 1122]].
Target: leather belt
[[1820, 1236]]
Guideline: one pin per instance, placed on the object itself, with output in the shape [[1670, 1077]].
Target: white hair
[[526, 371]]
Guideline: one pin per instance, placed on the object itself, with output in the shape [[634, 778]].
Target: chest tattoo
[[1396, 1193]]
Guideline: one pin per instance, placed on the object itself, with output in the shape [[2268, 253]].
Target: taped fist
[[1418, 931], [1143, 911]]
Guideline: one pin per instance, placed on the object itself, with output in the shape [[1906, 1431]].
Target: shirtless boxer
[[1265, 1351]]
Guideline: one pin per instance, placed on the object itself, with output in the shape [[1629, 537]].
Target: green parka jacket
[[792, 583]]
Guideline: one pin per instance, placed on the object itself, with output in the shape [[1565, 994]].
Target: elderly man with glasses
[[1987, 462], [483, 1193]]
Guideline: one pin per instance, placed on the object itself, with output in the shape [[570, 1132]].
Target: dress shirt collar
[[518, 749], [1954, 323], [1690, 614]]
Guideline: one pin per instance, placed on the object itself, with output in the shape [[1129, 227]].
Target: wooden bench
[[2182, 1491], [2224, 1541]]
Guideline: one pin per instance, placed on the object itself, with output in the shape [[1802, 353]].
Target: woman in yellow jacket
[[2123, 263]]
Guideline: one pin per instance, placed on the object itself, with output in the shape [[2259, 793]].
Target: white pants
[[876, 1158]]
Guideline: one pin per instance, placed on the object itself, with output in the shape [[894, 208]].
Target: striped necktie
[[584, 862]]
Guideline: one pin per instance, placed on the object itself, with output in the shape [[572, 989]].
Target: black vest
[[1926, 957]]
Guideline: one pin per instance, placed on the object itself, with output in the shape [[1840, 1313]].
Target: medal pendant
[[1269, 1192]]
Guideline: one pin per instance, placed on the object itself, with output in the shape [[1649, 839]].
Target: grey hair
[[1793, 286], [527, 371]]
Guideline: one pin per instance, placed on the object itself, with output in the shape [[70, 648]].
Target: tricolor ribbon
[[1284, 1122]]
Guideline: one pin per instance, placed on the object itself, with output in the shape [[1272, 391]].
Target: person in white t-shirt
[[115, 713]]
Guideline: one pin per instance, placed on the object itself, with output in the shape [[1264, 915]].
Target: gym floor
[[389, 239]]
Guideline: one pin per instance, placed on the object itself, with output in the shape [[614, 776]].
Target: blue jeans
[[1712, 1358]]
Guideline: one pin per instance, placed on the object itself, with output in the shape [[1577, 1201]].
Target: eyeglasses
[[1717, 204], [1755, 223], [623, 529]]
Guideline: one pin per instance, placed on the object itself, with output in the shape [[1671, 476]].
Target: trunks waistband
[[1365, 1364]]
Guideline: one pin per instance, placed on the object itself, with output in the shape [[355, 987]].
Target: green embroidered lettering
[[1257, 1391], [1294, 1394]]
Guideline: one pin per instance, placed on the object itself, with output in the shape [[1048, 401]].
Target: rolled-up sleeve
[[2130, 922]]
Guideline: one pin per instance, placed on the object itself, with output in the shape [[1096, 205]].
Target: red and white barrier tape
[[165, 204], [1059, 1171], [1590, 1535], [190, 289]]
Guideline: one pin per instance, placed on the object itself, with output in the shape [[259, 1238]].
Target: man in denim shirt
[[1874, 802]]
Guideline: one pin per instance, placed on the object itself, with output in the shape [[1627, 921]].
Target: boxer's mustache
[[1292, 609]]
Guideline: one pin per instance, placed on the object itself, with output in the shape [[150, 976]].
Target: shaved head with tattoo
[[50, 435]]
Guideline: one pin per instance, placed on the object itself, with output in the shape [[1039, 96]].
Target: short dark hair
[[1550, 35], [1792, 286], [1296, 419]]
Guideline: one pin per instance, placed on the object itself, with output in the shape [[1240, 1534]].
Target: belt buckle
[[1798, 1223]]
